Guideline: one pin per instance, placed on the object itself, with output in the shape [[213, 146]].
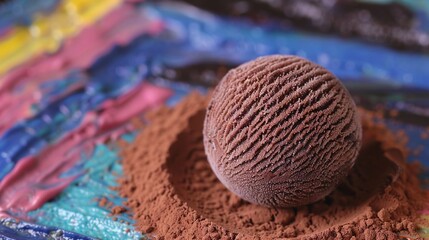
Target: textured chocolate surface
[[281, 131]]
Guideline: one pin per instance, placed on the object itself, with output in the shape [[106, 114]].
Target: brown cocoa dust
[[174, 194]]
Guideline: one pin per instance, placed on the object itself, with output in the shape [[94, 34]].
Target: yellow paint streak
[[47, 32]]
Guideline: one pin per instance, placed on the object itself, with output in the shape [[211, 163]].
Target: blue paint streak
[[415, 141], [113, 75], [191, 37], [210, 36], [21, 12], [11, 229]]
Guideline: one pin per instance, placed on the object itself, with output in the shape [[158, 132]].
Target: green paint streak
[[76, 208]]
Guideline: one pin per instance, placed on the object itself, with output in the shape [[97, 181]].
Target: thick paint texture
[[74, 75], [20, 12], [37, 179], [78, 201], [113, 75], [46, 33], [12, 229], [26, 84]]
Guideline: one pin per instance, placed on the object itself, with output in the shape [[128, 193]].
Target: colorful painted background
[[74, 74]]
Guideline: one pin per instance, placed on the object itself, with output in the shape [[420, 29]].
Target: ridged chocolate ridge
[[281, 131]]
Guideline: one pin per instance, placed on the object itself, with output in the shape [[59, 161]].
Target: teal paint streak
[[416, 5], [76, 208]]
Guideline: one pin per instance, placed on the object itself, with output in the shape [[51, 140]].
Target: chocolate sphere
[[281, 131]]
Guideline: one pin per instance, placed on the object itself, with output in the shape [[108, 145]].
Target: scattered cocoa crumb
[[393, 113], [103, 202], [117, 210]]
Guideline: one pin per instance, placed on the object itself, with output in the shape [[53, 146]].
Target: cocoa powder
[[174, 194]]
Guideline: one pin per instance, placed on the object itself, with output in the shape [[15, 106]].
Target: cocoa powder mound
[[174, 194]]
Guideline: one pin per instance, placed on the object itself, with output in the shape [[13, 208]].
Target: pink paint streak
[[36, 179], [118, 27]]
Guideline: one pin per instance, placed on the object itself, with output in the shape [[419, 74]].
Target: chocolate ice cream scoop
[[281, 131]]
